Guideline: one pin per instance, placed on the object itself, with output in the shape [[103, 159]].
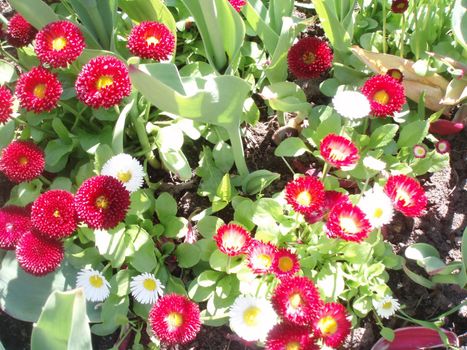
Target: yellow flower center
[[285, 264], [124, 176], [23, 160], [59, 43], [348, 225], [327, 325], [56, 213], [400, 5], [387, 305], [102, 202], [96, 281], [295, 300], [264, 260], [292, 346], [175, 319], [378, 213], [103, 82], [150, 284], [152, 40], [39, 90], [309, 57], [381, 97], [304, 198], [233, 240], [252, 316], [402, 195]]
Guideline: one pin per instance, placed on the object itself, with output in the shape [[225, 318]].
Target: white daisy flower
[[126, 169], [96, 287], [387, 306], [146, 288], [377, 207], [351, 104], [252, 318], [374, 164]]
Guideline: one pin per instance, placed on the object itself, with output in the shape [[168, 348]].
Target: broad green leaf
[[36, 12], [256, 15], [208, 226], [329, 87], [286, 97], [63, 323], [382, 135], [188, 255], [291, 147], [25, 193], [330, 280], [22, 295], [278, 9], [258, 180], [387, 333], [223, 156], [7, 133], [208, 278], [198, 293], [114, 315], [118, 132], [459, 22], [219, 261], [114, 244], [7, 73], [55, 152], [166, 206], [362, 306], [417, 278], [223, 194], [420, 251], [413, 133]]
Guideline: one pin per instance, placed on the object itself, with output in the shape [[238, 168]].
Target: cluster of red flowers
[[262, 258], [306, 318]]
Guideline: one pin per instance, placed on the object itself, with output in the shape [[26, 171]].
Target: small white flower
[[377, 207], [146, 288], [374, 164], [351, 104], [126, 169], [252, 318], [387, 306], [96, 287]]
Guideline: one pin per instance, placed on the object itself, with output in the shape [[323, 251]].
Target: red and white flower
[[285, 263], [102, 202], [419, 151], [151, 40], [286, 336], [38, 90], [260, 257], [305, 194], [59, 43], [14, 223], [407, 195], [309, 58], [386, 95], [297, 300], [175, 319], [22, 161], [232, 239], [103, 82], [339, 152], [443, 146], [348, 222], [332, 324]]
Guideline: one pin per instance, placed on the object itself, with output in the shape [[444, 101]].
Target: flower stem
[[325, 171], [384, 27], [237, 149]]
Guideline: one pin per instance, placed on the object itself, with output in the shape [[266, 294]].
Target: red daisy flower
[[332, 324], [396, 74], [386, 95], [6, 104], [102, 202], [285, 263], [232, 239], [53, 214], [237, 4], [20, 32], [305, 194], [348, 222], [286, 336], [38, 90], [22, 161], [175, 319], [297, 300], [59, 43], [419, 151], [443, 146], [103, 82], [399, 6], [339, 152], [309, 57], [14, 223], [407, 195], [151, 40], [331, 198], [260, 256], [39, 256]]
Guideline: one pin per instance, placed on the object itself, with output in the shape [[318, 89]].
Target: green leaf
[[166, 206], [7, 133], [286, 97], [208, 278], [7, 73], [291, 147], [329, 87], [56, 152], [118, 132], [383, 135], [387, 333], [330, 280], [61, 131], [188, 255], [362, 306], [219, 261], [417, 278], [223, 194], [61, 183], [36, 12], [114, 244], [355, 253], [413, 133], [258, 180], [207, 247], [223, 156], [198, 293], [62, 323], [257, 17], [114, 315], [459, 22], [103, 154], [208, 226], [25, 193], [420, 251], [22, 295]]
